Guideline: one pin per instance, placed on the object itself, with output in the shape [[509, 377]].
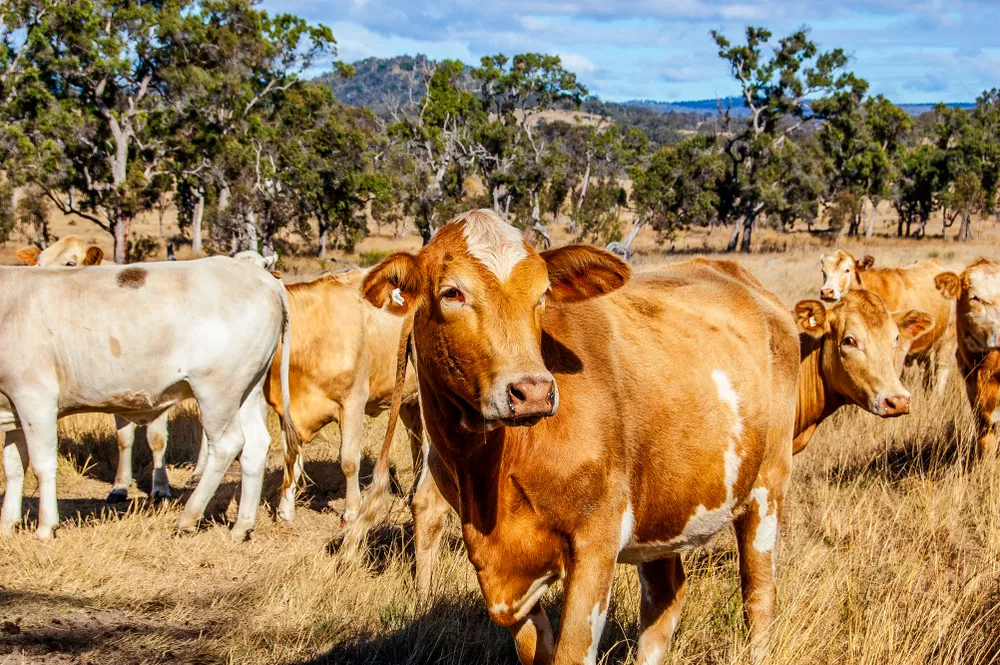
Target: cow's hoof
[[160, 494], [186, 526], [348, 518], [117, 496], [45, 532], [240, 534]]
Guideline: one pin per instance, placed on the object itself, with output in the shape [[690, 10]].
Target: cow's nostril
[[515, 394]]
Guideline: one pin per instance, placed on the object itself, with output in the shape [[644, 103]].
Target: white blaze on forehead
[[495, 244], [984, 284]]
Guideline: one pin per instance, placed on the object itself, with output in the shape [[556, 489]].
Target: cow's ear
[[866, 262], [913, 323], [580, 272], [395, 282], [93, 257], [949, 284], [810, 316], [28, 256]]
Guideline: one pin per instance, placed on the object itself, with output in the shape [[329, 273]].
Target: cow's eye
[[541, 302], [71, 264], [452, 294], [850, 341], [973, 298]]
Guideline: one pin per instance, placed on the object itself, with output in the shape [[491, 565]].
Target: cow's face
[[864, 347], [478, 292], [69, 251], [840, 273], [977, 290]]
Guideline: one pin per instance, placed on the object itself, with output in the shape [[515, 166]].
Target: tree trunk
[[871, 220], [123, 225], [199, 212], [586, 183], [747, 233], [965, 230], [323, 239], [253, 235], [734, 237]]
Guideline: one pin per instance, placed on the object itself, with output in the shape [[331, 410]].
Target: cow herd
[[573, 414]]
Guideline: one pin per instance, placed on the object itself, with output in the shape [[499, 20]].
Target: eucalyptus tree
[[781, 93]]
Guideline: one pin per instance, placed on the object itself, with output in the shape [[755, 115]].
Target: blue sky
[[909, 50]]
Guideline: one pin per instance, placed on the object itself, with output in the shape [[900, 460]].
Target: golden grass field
[[889, 550]]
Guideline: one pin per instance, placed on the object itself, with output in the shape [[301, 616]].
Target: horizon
[[916, 53]]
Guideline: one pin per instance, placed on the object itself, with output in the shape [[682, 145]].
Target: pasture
[[890, 549]]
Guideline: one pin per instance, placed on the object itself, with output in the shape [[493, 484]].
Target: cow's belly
[[140, 404]]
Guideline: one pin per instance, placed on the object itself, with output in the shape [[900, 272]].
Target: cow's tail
[[292, 441], [374, 496]]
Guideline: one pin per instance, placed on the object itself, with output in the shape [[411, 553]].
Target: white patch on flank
[[628, 524], [704, 524], [767, 528], [496, 245], [523, 605]]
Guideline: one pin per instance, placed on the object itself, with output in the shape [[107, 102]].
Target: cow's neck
[[816, 399]]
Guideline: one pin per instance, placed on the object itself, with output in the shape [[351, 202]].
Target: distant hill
[[711, 106]]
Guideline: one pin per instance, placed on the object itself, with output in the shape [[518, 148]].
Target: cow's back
[[912, 287], [100, 332]]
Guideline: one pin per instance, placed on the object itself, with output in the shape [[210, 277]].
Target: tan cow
[[342, 366], [910, 287], [571, 431], [68, 251], [977, 291], [850, 354]]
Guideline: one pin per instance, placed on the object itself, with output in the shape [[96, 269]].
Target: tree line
[[108, 110]]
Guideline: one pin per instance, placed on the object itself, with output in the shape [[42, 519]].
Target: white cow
[[72, 251], [135, 340]]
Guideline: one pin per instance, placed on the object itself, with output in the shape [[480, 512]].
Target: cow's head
[[840, 274], [68, 251], [477, 292], [977, 290], [864, 347]]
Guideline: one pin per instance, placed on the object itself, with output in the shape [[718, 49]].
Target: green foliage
[[372, 257]]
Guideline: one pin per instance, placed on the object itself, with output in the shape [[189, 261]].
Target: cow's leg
[[156, 436], [42, 441], [15, 462], [123, 477], [756, 541], [533, 637], [409, 416], [663, 587], [253, 461], [225, 438], [430, 511], [585, 610], [286, 505], [199, 467], [352, 429]]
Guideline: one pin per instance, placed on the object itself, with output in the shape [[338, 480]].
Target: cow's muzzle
[[523, 400], [829, 295], [890, 406]]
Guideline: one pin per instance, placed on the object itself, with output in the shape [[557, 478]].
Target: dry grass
[[890, 554]]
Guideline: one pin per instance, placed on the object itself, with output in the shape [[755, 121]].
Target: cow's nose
[[827, 294], [895, 405], [531, 397]]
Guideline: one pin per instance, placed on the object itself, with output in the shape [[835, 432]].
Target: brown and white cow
[[71, 251], [852, 353], [977, 291], [342, 367], [570, 431], [906, 288], [205, 329]]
